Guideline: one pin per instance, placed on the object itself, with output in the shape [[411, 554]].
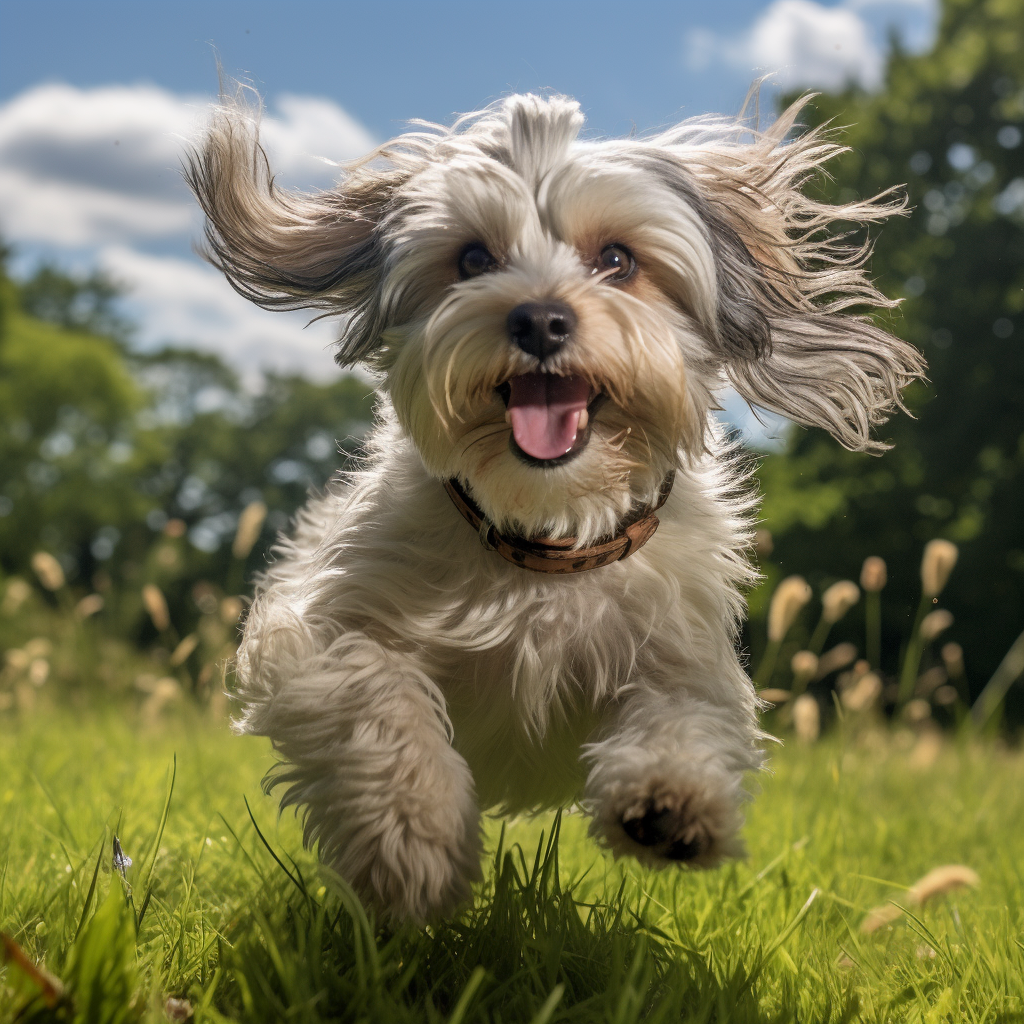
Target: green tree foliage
[[80, 302], [101, 449], [949, 124]]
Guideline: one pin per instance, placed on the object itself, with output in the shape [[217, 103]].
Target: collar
[[557, 555]]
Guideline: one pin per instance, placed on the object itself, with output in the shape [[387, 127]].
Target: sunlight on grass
[[232, 928]]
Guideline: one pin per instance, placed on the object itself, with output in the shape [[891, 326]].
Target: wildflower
[[156, 605], [838, 600], [89, 606], [39, 671], [48, 569], [789, 597], [936, 564], [806, 718], [934, 623], [250, 522], [805, 667], [873, 574], [774, 696]]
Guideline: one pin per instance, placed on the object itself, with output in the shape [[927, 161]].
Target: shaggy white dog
[[482, 616]]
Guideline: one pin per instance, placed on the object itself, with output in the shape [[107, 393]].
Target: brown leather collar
[[557, 555]]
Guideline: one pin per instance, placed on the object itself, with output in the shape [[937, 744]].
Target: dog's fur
[[408, 676]]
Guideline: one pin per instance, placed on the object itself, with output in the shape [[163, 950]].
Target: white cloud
[[88, 167], [803, 44], [98, 171], [309, 135], [80, 167], [183, 302]]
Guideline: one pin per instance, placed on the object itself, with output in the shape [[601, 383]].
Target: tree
[[950, 124], [101, 447]]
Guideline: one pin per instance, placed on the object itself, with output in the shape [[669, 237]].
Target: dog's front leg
[[367, 742], [666, 774]]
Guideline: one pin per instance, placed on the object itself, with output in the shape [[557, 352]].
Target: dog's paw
[[420, 879], [687, 820]]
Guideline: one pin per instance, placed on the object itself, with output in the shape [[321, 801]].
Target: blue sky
[[629, 63], [97, 98]]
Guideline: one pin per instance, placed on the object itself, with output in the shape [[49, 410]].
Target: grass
[[243, 926]]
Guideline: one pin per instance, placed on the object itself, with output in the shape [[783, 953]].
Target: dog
[[529, 592]]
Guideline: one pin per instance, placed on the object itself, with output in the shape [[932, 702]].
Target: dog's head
[[552, 317]]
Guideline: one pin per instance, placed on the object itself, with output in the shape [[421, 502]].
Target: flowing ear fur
[[288, 250], [780, 266]]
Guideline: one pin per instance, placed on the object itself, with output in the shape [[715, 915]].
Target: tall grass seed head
[[936, 564], [873, 574], [789, 597], [944, 879], [863, 694], [836, 658], [250, 523], [230, 610], [838, 600], [806, 718], [805, 667], [16, 594], [953, 659], [937, 882], [917, 711], [156, 604], [48, 569], [934, 623], [184, 650], [90, 605]]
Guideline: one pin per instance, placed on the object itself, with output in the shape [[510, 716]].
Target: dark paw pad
[[687, 849], [651, 828], [668, 832]]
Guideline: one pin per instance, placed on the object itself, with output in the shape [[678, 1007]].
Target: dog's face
[[549, 310], [553, 317]]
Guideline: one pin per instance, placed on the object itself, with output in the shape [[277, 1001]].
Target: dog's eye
[[619, 260], [475, 260]]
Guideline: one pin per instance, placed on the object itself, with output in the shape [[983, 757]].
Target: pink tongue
[[545, 412]]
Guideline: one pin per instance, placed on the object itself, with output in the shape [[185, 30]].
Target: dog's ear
[[785, 332], [287, 250]]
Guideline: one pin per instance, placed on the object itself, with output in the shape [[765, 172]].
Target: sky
[[99, 98]]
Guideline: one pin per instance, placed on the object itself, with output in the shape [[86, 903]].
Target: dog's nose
[[541, 328]]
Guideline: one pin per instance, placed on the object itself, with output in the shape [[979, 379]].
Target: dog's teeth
[[508, 415], [584, 420]]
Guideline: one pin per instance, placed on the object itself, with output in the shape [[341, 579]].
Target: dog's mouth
[[549, 416]]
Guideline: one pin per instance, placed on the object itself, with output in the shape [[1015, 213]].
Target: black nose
[[541, 328]]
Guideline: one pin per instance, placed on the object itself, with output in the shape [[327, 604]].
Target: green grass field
[[246, 928]]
